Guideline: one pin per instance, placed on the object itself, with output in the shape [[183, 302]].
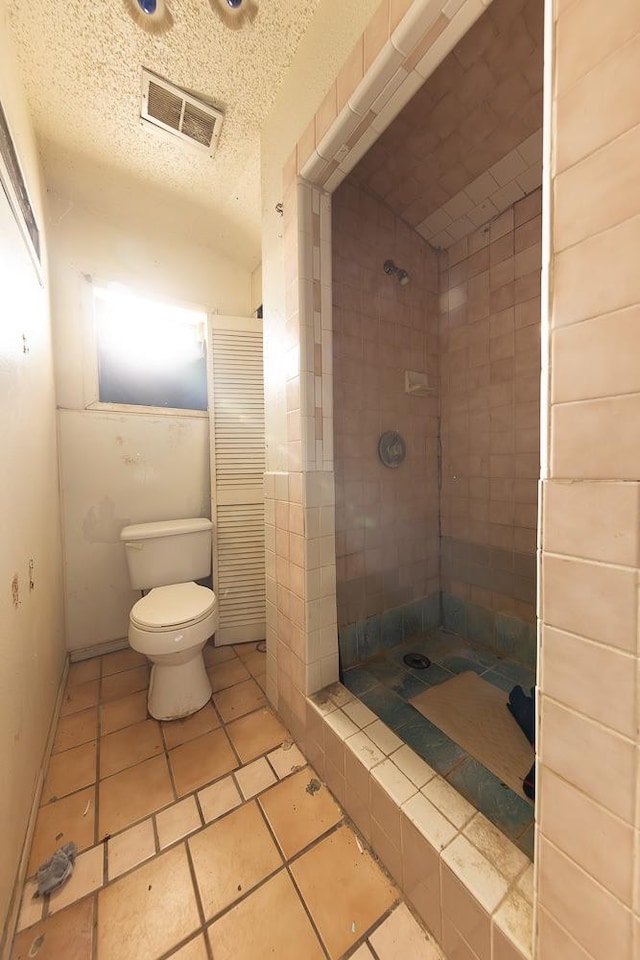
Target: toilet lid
[[177, 604]]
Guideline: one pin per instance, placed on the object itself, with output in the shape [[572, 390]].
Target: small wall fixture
[[402, 275], [417, 384]]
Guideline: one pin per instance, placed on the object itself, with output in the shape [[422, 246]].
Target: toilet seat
[[176, 606]]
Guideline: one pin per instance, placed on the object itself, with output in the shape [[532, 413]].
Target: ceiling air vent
[[172, 111]]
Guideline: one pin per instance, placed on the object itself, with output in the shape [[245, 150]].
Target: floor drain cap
[[417, 661]]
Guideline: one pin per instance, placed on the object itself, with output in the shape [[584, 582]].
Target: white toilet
[[172, 623]]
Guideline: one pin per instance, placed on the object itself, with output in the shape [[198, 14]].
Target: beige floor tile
[[402, 936], [133, 794], [83, 671], [62, 821], [130, 848], [255, 777], [256, 734], [261, 680], [30, 908], [232, 856], [194, 950], [80, 697], [256, 663], [121, 685], [76, 729], [213, 654], [68, 935], [122, 660], [344, 890], [223, 675], [286, 760], [151, 910], [298, 816], [363, 953], [177, 822], [200, 761], [270, 923], [239, 700], [87, 876], [70, 771], [218, 799], [119, 714], [246, 650], [125, 748], [176, 732]]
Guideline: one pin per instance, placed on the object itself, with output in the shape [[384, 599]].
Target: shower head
[[390, 269]]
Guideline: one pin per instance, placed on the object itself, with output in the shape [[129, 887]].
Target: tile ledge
[[506, 893]]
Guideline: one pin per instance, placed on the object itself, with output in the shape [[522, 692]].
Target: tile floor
[[385, 684], [203, 839]]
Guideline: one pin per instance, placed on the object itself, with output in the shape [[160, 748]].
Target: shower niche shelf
[[417, 384]]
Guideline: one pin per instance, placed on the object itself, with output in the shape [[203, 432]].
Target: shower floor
[[385, 684]]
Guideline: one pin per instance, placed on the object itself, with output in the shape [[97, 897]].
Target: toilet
[[172, 622]]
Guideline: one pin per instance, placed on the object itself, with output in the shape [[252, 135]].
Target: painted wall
[[120, 468], [490, 341], [256, 289], [589, 774], [387, 529], [31, 622]]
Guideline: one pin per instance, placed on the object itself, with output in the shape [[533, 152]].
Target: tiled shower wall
[[589, 756], [490, 409], [386, 519]]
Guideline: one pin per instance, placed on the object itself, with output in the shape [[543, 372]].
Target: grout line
[[307, 910], [196, 888], [167, 760], [198, 932], [156, 835], [94, 928], [96, 794], [287, 867]]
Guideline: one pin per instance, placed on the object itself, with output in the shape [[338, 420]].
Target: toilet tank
[[167, 551]]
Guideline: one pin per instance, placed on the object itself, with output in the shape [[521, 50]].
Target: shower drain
[[417, 661]]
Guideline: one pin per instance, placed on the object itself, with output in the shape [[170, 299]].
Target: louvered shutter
[[236, 419]]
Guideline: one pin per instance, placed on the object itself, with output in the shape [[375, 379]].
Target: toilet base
[[178, 690]]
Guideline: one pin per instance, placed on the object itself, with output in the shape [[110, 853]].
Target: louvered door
[[236, 418]]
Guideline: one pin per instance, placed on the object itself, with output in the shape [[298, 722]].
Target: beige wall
[[118, 468], [589, 844], [490, 341], [31, 630], [387, 530], [256, 289]]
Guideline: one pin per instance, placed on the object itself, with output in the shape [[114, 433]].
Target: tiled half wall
[[471, 886]]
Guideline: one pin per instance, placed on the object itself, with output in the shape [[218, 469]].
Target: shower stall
[[436, 547]]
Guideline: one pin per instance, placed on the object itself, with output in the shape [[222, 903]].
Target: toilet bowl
[[174, 620], [170, 626]]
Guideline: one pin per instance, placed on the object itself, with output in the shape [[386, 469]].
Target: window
[[149, 353]]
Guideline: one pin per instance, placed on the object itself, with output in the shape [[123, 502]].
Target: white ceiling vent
[[176, 113]]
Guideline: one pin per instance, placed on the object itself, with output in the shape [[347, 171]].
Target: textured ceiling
[[469, 143], [81, 66]]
